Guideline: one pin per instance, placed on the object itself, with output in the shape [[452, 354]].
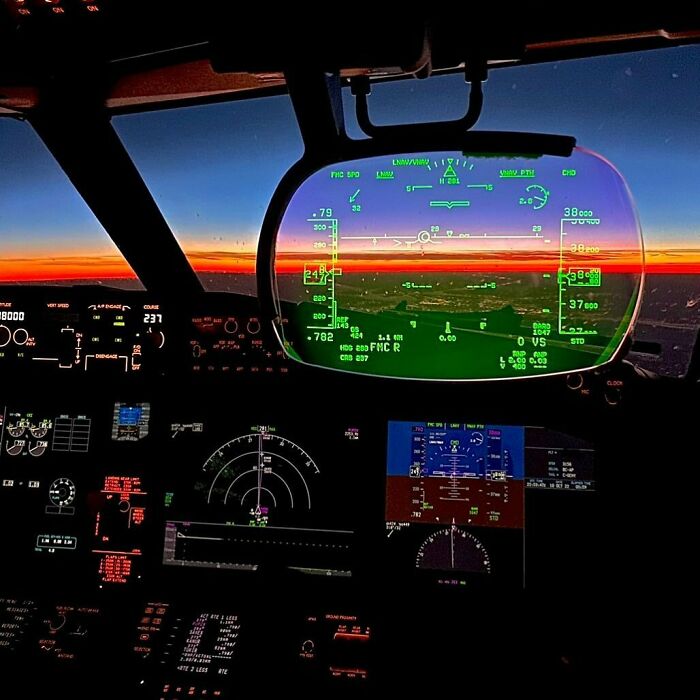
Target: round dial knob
[[5, 336], [20, 336], [62, 492]]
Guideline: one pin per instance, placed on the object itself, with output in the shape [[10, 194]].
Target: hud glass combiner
[[451, 266]]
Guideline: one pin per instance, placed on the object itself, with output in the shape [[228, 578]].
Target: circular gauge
[[62, 492], [537, 197], [476, 438], [39, 431], [17, 429], [453, 549], [38, 449], [260, 478]]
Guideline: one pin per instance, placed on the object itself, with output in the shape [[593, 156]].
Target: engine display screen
[[446, 266]]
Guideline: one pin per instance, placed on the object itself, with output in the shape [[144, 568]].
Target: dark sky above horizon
[[212, 169]]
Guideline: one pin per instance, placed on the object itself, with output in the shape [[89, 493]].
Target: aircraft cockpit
[[342, 358]]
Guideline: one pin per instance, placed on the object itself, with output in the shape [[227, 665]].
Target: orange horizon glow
[[100, 267], [46, 268], [483, 263]]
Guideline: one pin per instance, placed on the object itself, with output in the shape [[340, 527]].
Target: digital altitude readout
[[451, 266], [11, 315]]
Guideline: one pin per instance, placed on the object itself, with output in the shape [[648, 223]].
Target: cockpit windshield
[[212, 169], [265, 292], [48, 235]]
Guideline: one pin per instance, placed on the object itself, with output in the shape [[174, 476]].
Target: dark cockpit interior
[[341, 355]]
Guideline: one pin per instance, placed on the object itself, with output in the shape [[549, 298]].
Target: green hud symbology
[[446, 266]]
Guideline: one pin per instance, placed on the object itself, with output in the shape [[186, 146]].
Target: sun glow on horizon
[[97, 266]]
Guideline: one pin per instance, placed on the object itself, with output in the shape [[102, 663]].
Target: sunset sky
[[213, 169], [398, 227]]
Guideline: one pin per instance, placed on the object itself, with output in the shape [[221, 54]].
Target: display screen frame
[[477, 143]]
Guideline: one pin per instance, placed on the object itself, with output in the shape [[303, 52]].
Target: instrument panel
[[222, 343], [52, 330], [191, 487], [80, 336], [318, 526]]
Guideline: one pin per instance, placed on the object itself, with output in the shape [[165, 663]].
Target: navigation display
[[258, 498], [451, 266]]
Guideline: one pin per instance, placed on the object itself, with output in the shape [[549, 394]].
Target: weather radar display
[[451, 266]]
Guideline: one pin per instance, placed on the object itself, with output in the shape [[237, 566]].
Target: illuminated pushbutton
[[5, 336], [22, 9], [231, 326], [253, 326]]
